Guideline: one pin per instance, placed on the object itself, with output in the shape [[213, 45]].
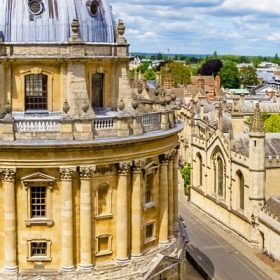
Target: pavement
[[218, 253]]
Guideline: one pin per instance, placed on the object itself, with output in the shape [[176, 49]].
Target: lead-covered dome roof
[[27, 21]]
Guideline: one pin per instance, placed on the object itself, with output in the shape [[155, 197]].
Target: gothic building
[[89, 164], [235, 168]]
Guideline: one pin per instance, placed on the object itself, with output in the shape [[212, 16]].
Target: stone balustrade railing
[[60, 127]]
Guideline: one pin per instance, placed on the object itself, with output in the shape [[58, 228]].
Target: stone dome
[[49, 21]]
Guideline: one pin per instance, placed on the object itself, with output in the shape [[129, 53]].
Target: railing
[[104, 123], [37, 126], [151, 122]]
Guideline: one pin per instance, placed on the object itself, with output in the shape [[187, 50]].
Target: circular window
[[93, 8], [35, 7]]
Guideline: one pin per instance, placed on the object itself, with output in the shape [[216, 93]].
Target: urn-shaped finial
[[66, 106], [120, 28]]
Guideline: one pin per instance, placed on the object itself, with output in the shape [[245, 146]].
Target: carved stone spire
[[257, 124]]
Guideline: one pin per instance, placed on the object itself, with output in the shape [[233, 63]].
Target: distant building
[[235, 166]]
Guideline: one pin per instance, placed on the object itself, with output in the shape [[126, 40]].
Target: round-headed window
[[35, 7], [93, 8]]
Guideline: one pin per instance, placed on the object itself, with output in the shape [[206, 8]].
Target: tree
[[159, 56], [179, 72], [230, 75], [144, 66], [211, 67], [272, 124], [149, 74], [248, 76]]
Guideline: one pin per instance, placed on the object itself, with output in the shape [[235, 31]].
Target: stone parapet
[[83, 129]]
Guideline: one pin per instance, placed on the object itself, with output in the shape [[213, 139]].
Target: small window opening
[[93, 8], [38, 249], [149, 231]]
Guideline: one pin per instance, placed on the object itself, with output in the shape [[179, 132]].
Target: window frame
[[153, 237], [108, 213], [39, 258], [39, 180], [30, 89], [104, 252]]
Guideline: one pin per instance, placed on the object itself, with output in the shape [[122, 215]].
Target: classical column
[[163, 199], [10, 247], [170, 197], [122, 211], [175, 186], [67, 262], [136, 209], [85, 218]]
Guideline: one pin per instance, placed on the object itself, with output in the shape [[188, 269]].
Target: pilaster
[[136, 209], [67, 260], [85, 218], [10, 236], [122, 211], [163, 198], [170, 196]]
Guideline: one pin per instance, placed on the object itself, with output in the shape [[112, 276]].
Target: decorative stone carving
[[124, 168], [66, 107], [121, 105], [66, 173], [9, 174], [86, 172], [85, 107], [75, 26], [257, 123], [137, 165], [120, 28], [163, 159], [104, 169]]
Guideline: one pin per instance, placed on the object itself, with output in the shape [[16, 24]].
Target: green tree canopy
[[144, 66], [272, 124], [230, 75], [210, 67], [180, 73], [149, 74], [248, 76]]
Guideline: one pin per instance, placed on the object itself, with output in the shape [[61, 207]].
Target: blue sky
[[248, 27]]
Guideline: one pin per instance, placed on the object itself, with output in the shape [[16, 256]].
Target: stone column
[[10, 236], [85, 218], [122, 211], [67, 261], [175, 187], [170, 197], [163, 200], [136, 209]]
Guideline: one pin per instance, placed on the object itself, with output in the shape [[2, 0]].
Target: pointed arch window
[[199, 169], [240, 186], [220, 176]]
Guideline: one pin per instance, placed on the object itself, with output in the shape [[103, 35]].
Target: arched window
[[220, 176], [36, 92], [97, 90], [199, 169], [240, 185], [103, 200]]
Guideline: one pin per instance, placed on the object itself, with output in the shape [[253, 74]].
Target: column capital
[[66, 173], [9, 174], [86, 172], [137, 166], [124, 167], [163, 159]]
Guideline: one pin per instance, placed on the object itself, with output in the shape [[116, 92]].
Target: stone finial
[[120, 28], [66, 107], [121, 105], [257, 123], [8, 111], [75, 27]]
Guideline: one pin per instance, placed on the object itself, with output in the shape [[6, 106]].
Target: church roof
[[273, 206], [42, 21]]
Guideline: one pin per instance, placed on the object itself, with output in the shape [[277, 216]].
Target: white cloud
[[201, 26]]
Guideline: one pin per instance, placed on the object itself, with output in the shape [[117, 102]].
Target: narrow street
[[220, 259]]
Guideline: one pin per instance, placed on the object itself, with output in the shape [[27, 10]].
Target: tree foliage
[[248, 76], [211, 67], [230, 75], [272, 124], [149, 74], [179, 72]]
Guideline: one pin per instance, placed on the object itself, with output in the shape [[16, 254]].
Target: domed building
[[88, 159]]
